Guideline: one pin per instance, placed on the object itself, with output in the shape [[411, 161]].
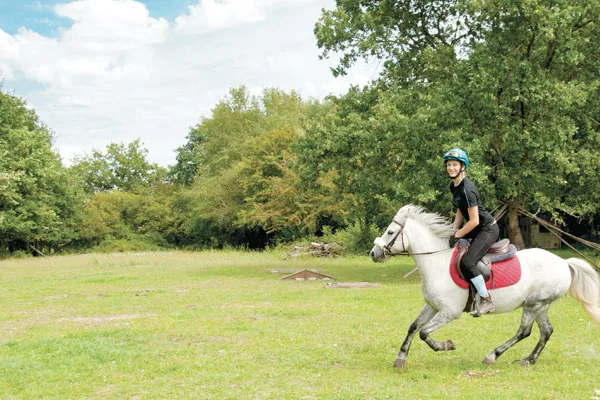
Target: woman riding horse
[[479, 225]]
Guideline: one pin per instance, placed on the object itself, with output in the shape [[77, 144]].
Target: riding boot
[[485, 306]]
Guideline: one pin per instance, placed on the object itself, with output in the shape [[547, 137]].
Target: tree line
[[516, 84]]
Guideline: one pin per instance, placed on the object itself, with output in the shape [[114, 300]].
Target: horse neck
[[421, 239]]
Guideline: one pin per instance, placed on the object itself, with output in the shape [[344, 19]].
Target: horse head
[[432, 230], [393, 241]]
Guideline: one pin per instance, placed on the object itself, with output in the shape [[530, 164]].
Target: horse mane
[[439, 225]]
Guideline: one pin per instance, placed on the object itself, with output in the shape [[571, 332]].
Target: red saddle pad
[[504, 273]]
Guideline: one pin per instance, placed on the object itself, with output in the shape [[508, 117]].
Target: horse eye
[[390, 232]]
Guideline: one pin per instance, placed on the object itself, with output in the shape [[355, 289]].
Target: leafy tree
[[270, 187], [121, 167], [40, 203], [349, 145], [506, 80], [103, 217], [235, 121], [186, 166], [147, 216], [244, 187]]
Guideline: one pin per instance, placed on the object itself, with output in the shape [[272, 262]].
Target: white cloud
[[6, 71], [72, 101], [9, 49], [211, 15], [118, 73], [310, 88], [111, 24]]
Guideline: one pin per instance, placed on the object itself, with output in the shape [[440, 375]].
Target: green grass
[[219, 325]]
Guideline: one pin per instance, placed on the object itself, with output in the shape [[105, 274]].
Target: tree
[[513, 77], [245, 189], [40, 203], [121, 167], [185, 169], [354, 148], [147, 217]]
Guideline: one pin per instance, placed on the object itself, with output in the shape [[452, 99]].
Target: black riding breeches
[[486, 237]]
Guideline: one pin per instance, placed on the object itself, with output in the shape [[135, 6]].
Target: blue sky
[[38, 15], [24, 13], [112, 71]]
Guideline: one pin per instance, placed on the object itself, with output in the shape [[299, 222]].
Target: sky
[[112, 71]]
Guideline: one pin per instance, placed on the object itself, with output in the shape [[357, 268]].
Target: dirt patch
[[57, 297], [12, 328], [351, 285], [106, 318], [479, 373]]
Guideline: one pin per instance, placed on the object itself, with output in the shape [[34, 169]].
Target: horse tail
[[585, 287]]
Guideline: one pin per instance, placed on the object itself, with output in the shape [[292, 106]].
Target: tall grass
[[220, 325]]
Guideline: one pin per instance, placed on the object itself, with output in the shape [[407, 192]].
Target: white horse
[[545, 278]]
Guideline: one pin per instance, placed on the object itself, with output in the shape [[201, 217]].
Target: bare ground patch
[[13, 327], [106, 318]]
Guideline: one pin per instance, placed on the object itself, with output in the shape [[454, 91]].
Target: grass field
[[219, 325]]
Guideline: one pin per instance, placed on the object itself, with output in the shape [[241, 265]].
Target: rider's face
[[453, 167]]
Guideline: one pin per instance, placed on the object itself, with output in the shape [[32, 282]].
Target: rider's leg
[[485, 305], [479, 246], [479, 284]]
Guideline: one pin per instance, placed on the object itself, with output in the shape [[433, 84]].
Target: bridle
[[388, 247]]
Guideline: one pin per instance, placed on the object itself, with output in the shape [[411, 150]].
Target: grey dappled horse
[[545, 278]]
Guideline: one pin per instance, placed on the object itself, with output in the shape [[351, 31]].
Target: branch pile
[[318, 250]]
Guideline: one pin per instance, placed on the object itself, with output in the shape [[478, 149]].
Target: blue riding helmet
[[457, 154]]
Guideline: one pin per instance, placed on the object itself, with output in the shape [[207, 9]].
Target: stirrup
[[477, 312]]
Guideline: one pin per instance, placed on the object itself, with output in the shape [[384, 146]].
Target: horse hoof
[[489, 360], [399, 363], [449, 345], [526, 362]]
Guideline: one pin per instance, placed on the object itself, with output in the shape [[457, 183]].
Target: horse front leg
[[439, 320], [427, 313]]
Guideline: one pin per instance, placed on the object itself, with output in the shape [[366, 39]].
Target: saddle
[[500, 251], [506, 272]]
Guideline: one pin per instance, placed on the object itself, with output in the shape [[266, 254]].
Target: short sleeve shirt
[[465, 195]]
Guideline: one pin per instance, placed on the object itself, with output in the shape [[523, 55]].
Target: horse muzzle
[[378, 254]]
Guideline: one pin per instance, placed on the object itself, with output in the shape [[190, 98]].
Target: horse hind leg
[[524, 331], [546, 330]]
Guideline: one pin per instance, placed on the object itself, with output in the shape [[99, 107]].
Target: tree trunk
[[365, 228], [512, 225]]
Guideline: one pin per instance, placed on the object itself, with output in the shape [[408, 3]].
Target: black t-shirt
[[465, 195]]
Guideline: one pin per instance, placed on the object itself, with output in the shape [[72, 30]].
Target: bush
[[134, 243], [20, 254], [353, 238]]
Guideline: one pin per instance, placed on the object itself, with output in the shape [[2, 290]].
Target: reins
[[406, 253], [388, 247]]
